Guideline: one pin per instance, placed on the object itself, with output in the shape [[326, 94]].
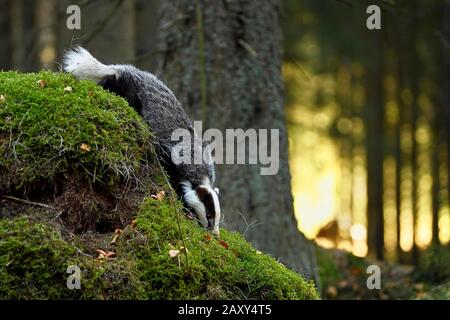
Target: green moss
[[229, 268], [41, 131], [328, 270], [43, 126], [434, 265], [440, 292], [34, 259]]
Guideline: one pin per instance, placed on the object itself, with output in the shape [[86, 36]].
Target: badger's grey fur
[[157, 104]]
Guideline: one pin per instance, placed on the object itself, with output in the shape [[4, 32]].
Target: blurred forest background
[[367, 111]]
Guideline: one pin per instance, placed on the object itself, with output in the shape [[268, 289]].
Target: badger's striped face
[[203, 200]]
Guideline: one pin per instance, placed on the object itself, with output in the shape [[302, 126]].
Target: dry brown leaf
[[105, 254], [331, 292], [133, 223], [85, 147], [174, 253], [90, 93], [224, 244], [41, 83], [101, 254], [110, 254], [159, 196], [207, 237], [68, 89]]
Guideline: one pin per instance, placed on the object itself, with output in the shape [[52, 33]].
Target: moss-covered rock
[[69, 147]]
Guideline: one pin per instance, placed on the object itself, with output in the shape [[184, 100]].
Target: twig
[[103, 23], [43, 205]]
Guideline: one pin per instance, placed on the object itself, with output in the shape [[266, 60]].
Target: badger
[[157, 104]]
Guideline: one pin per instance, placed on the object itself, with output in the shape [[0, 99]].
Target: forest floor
[[344, 277]]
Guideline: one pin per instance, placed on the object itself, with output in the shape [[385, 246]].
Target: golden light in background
[[358, 233]]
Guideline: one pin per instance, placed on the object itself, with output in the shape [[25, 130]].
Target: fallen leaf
[[41, 83], [85, 148], [235, 252], [331, 292], [90, 93], [105, 254], [159, 196], [224, 244], [2, 98], [133, 223], [68, 89], [110, 254], [207, 237], [101, 254], [355, 271], [174, 253]]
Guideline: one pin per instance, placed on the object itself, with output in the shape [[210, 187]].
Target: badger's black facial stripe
[[207, 199]]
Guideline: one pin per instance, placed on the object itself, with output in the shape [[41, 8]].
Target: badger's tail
[[83, 65]]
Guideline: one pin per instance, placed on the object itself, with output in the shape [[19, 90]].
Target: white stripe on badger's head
[[204, 200], [83, 65]]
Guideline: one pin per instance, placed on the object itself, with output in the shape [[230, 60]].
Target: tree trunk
[[5, 35], [375, 155], [398, 149], [413, 82], [224, 64], [45, 17], [445, 88]]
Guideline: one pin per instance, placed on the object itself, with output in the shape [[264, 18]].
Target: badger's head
[[203, 201]]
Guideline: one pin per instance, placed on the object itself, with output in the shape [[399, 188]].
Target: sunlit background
[[325, 72]]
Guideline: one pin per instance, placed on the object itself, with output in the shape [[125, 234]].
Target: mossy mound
[[51, 123], [81, 148], [150, 262], [85, 150]]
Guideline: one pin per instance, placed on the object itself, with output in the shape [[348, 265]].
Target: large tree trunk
[[223, 61]]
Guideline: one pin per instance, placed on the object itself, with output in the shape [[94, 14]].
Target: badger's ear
[[216, 190]]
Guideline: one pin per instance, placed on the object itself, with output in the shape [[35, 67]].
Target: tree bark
[[5, 35], [223, 62], [445, 88], [375, 155]]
